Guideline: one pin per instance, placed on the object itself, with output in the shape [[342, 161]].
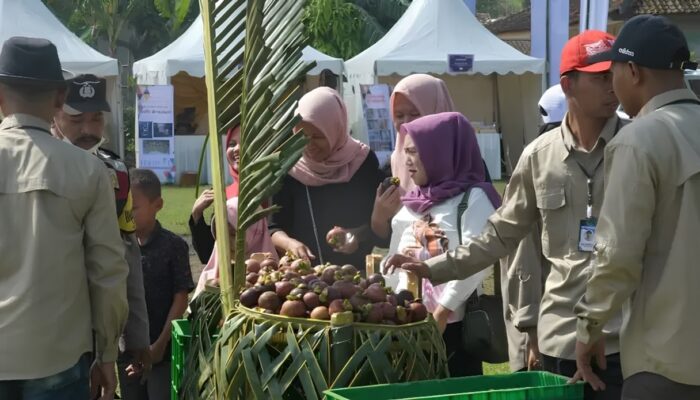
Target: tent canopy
[[32, 18], [427, 32], [186, 54]]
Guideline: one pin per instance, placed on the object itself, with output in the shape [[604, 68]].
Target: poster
[[380, 130], [155, 123]]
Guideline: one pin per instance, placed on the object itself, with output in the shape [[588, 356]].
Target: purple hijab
[[449, 151]]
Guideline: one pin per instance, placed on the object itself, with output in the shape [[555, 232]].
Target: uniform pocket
[[555, 221]]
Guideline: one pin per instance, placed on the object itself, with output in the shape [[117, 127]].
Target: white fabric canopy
[[427, 32], [186, 54], [33, 19], [502, 88]]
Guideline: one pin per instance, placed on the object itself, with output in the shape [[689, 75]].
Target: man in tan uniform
[[647, 242], [62, 271], [558, 183]]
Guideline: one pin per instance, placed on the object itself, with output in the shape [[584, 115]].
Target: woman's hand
[[299, 249], [441, 314], [202, 203], [343, 240], [386, 204]]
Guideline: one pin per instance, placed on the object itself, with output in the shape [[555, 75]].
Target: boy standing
[[167, 280]]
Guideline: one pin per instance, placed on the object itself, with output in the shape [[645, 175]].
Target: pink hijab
[[430, 96], [257, 240], [324, 109]]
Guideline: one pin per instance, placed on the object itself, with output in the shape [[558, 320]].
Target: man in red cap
[[558, 184]]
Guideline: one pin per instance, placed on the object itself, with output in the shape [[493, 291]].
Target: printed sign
[[380, 130], [155, 122], [460, 63]]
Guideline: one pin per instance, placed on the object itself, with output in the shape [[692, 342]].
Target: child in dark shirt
[[167, 280]]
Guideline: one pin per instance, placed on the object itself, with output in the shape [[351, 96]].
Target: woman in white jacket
[[443, 159]]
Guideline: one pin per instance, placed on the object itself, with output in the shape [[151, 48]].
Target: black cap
[[650, 41], [86, 93], [30, 61]]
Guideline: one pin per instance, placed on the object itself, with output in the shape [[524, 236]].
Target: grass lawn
[[177, 207]]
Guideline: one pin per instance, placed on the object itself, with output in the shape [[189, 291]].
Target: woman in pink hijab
[[257, 240], [414, 96], [332, 185]]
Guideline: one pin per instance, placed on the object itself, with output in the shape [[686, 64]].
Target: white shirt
[[479, 208]]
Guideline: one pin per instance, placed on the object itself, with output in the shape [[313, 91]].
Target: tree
[[133, 24], [344, 28]]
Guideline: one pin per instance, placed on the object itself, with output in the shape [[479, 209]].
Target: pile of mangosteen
[[294, 289]]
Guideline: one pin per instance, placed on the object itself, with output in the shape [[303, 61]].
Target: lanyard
[[589, 177]]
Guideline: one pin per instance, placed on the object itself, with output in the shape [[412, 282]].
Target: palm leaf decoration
[[254, 74]]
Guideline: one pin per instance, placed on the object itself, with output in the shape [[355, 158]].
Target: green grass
[[177, 206]]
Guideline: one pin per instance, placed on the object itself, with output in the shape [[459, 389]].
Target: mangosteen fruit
[[320, 312], [269, 301], [293, 308]]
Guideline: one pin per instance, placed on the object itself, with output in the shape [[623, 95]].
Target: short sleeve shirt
[[166, 271]]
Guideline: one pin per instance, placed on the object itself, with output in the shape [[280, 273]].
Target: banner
[[380, 130], [156, 136]]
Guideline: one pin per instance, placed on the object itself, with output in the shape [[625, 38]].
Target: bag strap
[[461, 208]]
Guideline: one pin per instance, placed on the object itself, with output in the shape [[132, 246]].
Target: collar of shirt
[[17, 120], [157, 230], [662, 99], [606, 136]]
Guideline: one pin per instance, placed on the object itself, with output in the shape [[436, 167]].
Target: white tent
[[186, 54], [32, 18], [502, 88], [181, 64]]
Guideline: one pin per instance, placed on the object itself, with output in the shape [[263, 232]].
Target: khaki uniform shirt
[[647, 242], [522, 284], [62, 269], [547, 186]]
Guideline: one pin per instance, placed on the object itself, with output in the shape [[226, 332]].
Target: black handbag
[[483, 327]]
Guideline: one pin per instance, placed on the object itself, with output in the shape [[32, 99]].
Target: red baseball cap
[[577, 51]]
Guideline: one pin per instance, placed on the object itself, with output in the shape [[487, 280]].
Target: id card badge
[[586, 236]]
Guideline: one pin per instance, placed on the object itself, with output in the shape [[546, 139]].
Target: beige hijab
[[324, 109], [430, 96]]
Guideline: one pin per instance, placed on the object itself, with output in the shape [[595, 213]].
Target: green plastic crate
[[181, 335], [518, 386]]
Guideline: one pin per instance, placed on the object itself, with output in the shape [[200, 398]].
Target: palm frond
[[254, 77]]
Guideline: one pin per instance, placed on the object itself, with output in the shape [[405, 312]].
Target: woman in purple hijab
[[443, 159]]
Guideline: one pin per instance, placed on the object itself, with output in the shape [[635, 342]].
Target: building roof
[[667, 6], [619, 9]]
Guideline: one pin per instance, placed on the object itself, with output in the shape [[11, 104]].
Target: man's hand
[[158, 351], [584, 354], [441, 314], [410, 264], [534, 362], [141, 363], [202, 203], [103, 381]]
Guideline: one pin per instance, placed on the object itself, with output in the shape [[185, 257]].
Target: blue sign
[[460, 62]]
